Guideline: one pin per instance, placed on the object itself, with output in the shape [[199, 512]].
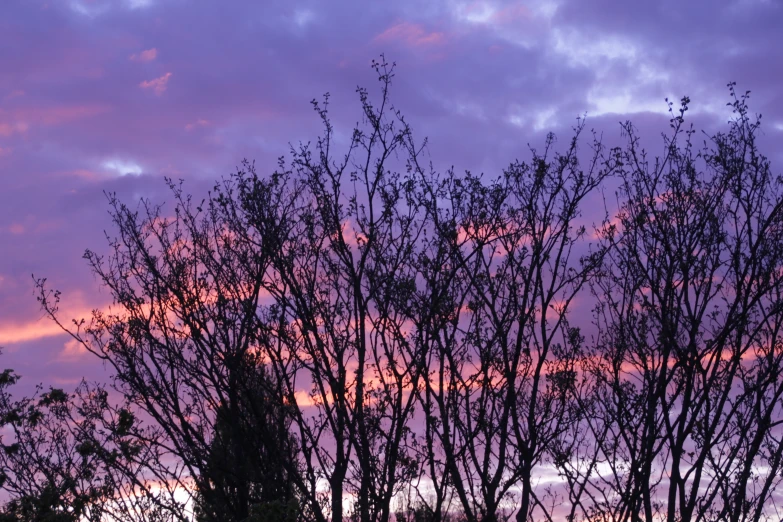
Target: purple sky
[[113, 95]]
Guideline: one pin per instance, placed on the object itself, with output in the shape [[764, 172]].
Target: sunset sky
[[113, 95]]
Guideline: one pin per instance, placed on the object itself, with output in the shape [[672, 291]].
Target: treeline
[[359, 337]]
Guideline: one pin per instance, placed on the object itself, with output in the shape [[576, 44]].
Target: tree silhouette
[[249, 456], [688, 358], [72, 457], [356, 336]]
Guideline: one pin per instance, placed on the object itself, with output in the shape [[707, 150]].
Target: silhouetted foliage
[[358, 337], [73, 457], [248, 457], [687, 363]]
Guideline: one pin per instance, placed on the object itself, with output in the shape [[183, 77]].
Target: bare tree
[[503, 353], [357, 337], [342, 238], [689, 314], [183, 343]]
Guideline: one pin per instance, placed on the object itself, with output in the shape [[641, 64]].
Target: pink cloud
[[511, 13], [20, 120], [32, 226], [158, 85], [30, 331], [62, 114], [7, 129], [16, 229], [42, 327], [14, 94], [145, 56], [72, 351], [197, 123], [411, 34], [82, 174]]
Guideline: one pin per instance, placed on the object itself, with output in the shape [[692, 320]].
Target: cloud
[[411, 34], [57, 115], [139, 4], [16, 229], [29, 331], [75, 307], [89, 8], [157, 85], [84, 174], [94, 8], [9, 128], [145, 56], [195, 124], [303, 17], [14, 94], [19, 121], [122, 167], [72, 351], [491, 13]]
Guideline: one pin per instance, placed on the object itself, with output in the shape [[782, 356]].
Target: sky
[[114, 95]]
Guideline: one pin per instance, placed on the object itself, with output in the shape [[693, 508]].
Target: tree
[[261, 429], [40, 466], [72, 457], [358, 337], [342, 236], [689, 357], [503, 351], [183, 343]]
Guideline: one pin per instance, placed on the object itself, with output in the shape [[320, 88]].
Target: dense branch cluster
[[358, 337]]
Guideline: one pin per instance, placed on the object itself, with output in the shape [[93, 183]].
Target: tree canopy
[[356, 336]]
